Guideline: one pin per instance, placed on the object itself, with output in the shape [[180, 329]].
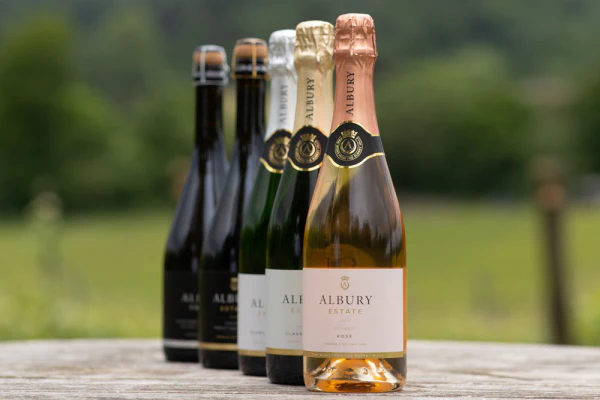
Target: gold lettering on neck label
[[283, 103], [350, 93], [310, 98]]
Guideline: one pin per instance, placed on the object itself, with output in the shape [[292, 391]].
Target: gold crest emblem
[[345, 284], [233, 284], [279, 151], [348, 146], [308, 149]]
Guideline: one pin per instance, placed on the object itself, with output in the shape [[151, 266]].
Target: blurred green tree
[[57, 133], [34, 76], [164, 131], [53, 129], [586, 115], [125, 60], [457, 125], [100, 107]]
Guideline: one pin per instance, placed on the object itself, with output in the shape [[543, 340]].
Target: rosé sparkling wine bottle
[[354, 276]]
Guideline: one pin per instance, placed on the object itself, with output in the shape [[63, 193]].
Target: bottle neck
[[250, 122], [314, 106], [282, 102], [354, 95], [209, 115]]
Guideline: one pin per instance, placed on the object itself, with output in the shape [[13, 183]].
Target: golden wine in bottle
[[354, 276], [253, 244], [314, 110]]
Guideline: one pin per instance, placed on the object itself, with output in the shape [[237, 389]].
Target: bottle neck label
[[354, 96], [307, 149], [282, 103], [350, 145], [275, 151]]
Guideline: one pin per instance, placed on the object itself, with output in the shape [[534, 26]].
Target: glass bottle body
[[284, 269], [314, 110], [220, 253], [252, 306], [354, 282], [196, 206], [347, 230]]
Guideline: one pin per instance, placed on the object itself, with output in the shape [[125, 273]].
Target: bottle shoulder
[[355, 218], [221, 243], [185, 209], [224, 219], [293, 195], [288, 219], [181, 240], [261, 199]]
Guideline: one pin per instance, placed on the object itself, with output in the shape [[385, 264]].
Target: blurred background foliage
[[462, 90], [96, 108]]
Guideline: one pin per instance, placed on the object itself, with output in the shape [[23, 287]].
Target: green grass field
[[475, 273]]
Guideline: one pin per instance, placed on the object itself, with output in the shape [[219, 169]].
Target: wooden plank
[[135, 369]]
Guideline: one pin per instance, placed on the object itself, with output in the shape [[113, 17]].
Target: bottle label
[[350, 145], [218, 310], [180, 309], [251, 315], [354, 312], [275, 151], [307, 148], [284, 321]]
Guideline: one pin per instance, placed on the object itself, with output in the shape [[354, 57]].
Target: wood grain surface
[[135, 369]]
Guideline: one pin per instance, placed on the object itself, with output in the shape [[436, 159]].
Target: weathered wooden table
[[134, 369]]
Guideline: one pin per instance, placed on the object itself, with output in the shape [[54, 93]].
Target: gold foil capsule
[[314, 43]]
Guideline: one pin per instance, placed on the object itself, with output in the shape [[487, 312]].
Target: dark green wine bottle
[[253, 246], [314, 109], [220, 251], [195, 208]]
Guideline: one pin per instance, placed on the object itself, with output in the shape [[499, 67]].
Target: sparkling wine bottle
[[196, 207], [220, 250], [354, 277], [314, 110], [253, 248]]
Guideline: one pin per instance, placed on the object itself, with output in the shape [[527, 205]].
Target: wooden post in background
[[549, 177]]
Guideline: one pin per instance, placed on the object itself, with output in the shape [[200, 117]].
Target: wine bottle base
[[253, 366], [284, 370], [372, 375], [219, 359], [181, 355]]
